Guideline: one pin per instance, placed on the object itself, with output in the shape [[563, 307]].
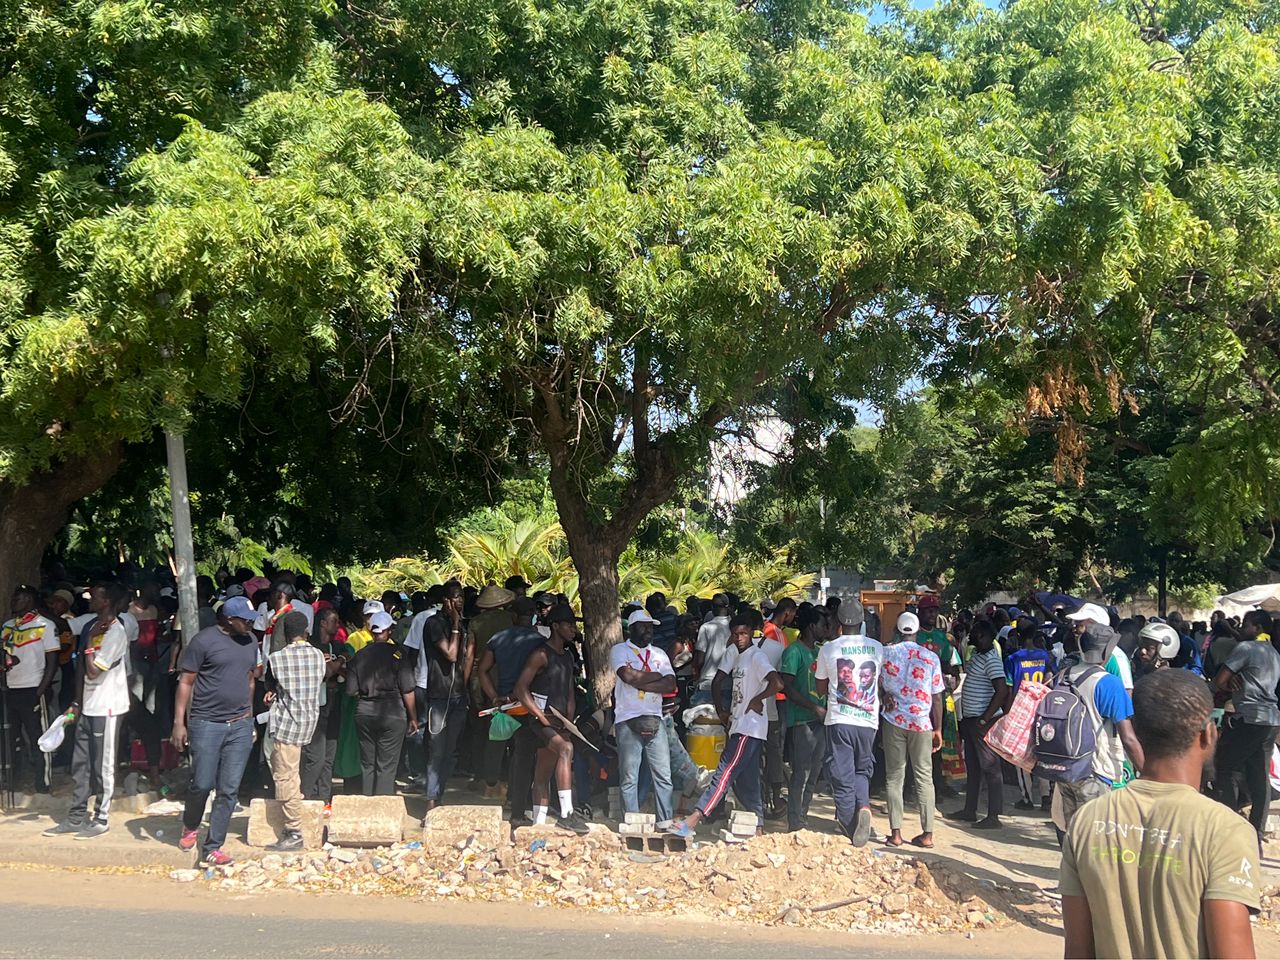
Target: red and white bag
[[1010, 736]]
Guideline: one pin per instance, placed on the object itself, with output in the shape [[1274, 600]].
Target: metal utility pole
[[824, 582], [184, 551]]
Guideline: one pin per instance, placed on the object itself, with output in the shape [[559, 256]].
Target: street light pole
[[183, 548]]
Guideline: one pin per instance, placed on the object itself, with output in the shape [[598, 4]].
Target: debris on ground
[[801, 879], [1270, 901]]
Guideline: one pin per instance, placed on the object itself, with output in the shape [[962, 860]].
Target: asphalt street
[[65, 913]]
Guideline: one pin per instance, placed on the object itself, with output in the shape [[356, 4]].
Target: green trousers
[[900, 744]]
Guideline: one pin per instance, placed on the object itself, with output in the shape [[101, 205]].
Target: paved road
[[63, 913]]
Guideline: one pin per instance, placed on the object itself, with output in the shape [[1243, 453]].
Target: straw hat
[[494, 596]]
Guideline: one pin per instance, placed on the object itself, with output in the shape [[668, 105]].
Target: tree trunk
[[33, 513], [596, 559]]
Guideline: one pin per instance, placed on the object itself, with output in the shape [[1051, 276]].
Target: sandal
[[921, 842], [889, 842]]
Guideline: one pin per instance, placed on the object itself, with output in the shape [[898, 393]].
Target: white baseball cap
[[373, 606], [1091, 611], [381, 621], [639, 616], [908, 624]]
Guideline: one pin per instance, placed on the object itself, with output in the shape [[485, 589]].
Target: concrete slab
[[266, 823], [452, 825], [366, 821]]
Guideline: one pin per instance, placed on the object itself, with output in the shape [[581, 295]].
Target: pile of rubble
[[806, 879], [1270, 900]]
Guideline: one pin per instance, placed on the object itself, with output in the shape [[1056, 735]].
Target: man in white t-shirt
[[424, 606], [710, 647], [642, 674], [755, 682], [848, 676], [103, 673], [31, 647]]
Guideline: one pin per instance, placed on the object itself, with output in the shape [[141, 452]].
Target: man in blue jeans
[[214, 717], [642, 674]]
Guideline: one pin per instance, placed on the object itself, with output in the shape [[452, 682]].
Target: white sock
[[566, 802], [539, 814]]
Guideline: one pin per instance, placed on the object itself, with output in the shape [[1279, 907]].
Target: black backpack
[[1063, 739]]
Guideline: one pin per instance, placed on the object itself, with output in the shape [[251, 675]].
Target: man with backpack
[[1082, 730]]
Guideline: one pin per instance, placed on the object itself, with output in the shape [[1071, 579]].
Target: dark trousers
[[149, 718], [317, 756], [93, 767], [444, 722], [219, 753], [982, 765], [739, 768], [808, 744], [495, 751], [28, 718], [381, 726], [1244, 748], [524, 754], [851, 765], [774, 774]]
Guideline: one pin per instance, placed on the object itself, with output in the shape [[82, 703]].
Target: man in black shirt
[[548, 682], [381, 679], [447, 650], [214, 715]]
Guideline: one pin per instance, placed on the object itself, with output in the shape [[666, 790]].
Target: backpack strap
[[1084, 675]]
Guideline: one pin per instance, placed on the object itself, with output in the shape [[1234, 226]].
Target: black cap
[[562, 614], [544, 598], [516, 583]]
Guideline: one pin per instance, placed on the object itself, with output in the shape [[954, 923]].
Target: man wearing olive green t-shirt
[[1156, 869]]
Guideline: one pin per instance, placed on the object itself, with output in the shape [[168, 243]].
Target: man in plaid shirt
[[294, 683]]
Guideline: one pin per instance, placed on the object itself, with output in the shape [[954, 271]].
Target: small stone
[[792, 916], [976, 916], [184, 876], [273, 863], [895, 903], [759, 862], [777, 859], [342, 855]]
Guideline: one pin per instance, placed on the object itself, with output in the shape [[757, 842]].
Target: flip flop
[[920, 842], [888, 842]]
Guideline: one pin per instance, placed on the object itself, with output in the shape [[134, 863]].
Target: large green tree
[[619, 226]]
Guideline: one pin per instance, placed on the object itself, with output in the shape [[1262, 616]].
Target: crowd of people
[[293, 690]]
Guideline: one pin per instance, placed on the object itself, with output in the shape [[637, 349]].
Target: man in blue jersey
[[1028, 661]]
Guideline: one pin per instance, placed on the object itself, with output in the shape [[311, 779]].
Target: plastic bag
[[502, 727], [1010, 736], [52, 738], [702, 713]]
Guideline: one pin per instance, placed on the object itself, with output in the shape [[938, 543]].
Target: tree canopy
[[601, 234]]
